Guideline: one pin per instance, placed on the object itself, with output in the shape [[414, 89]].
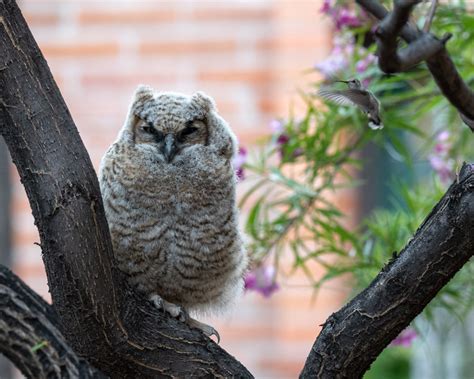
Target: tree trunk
[[97, 317], [101, 318]]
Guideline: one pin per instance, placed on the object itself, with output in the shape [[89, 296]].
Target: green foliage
[[391, 364], [297, 176]]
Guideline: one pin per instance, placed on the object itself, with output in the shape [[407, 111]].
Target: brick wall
[[250, 56]]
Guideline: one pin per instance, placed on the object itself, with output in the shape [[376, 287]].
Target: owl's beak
[[169, 147]]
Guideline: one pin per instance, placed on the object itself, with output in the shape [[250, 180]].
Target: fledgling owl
[[168, 188]]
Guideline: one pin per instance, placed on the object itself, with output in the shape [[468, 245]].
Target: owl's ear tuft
[[203, 101], [143, 92]]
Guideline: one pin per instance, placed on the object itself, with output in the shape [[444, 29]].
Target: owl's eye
[[148, 129], [188, 130]]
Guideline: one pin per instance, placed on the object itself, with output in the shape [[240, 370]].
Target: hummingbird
[[356, 95]]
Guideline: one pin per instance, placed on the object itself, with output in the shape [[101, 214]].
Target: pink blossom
[[439, 159], [346, 17], [262, 280], [276, 126], [336, 62], [405, 338], [443, 167], [338, 59], [327, 6], [443, 136], [282, 139], [298, 152], [364, 63], [238, 163], [341, 15]]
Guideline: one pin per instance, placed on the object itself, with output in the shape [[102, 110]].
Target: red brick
[[79, 49], [286, 368], [255, 77], [38, 18], [126, 16], [296, 42], [231, 14], [125, 80], [187, 47]]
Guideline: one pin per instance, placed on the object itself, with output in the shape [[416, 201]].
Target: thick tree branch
[[354, 336], [437, 58], [422, 48], [102, 320], [29, 336]]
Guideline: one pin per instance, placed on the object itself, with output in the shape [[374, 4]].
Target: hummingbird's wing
[[350, 96]]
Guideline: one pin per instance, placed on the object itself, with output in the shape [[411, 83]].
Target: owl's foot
[[180, 313], [174, 310], [208, 330]]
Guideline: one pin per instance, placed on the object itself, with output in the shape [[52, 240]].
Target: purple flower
[[443, 136], [341, 15], [262, 280], [443, 167], [276, 126], [282, 139], [405, 338], [333, 64], [345, 17], [238, 163], [327, 6], [364, 63], [338, 59], [439, 159], [298, 152]]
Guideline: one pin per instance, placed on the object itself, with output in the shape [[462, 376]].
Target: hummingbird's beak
[[342, 81]]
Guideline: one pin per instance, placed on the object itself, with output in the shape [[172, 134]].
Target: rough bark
[[121, 333], [440, 64], [5, 254], [353, 337], [117, 331], [391, 58], [29, 336]]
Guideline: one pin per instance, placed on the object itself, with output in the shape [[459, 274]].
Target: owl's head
[[168, 122]]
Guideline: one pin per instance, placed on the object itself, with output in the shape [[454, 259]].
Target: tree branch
[[353, 337], [29, 336], [104, 321], [426, 47]]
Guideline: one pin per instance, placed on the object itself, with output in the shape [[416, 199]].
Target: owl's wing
[[351, 96]]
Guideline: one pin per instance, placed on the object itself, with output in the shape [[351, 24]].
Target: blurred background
[[252, 57]]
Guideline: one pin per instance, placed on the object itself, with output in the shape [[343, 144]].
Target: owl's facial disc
[[171, 140]]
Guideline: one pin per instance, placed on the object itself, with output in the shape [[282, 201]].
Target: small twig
[[430, 16]]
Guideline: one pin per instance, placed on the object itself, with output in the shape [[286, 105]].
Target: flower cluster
[[344, 48], [342, 54], [238, 163], [440, 159], [282, 138], [339, 58], [405, 338], [262, 280], [341, 15]]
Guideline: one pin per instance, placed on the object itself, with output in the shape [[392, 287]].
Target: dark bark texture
[[99, 322], [118, 332], [353, 337], [29, 335]]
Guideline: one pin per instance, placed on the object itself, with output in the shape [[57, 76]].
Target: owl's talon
[[206, 329]]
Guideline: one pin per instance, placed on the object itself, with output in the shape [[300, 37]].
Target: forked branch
[[353, 337], [421, 46]]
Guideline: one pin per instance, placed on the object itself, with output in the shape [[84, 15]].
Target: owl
[[168, 188]]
